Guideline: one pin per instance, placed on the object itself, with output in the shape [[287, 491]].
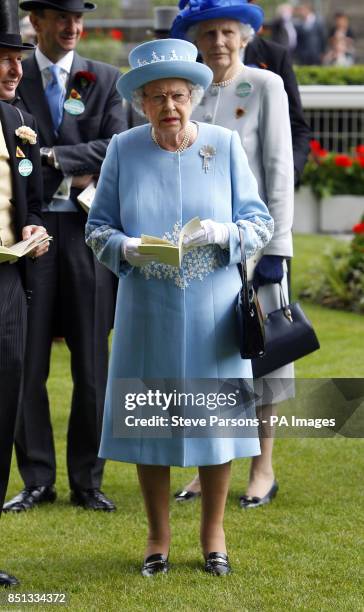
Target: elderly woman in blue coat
[[252, 102], [175, 322]]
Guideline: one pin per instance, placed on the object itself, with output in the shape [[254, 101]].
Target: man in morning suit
[[20, 217], [78, 109]]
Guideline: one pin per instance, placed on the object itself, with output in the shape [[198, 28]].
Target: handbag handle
[[243, 270], [284, 304]]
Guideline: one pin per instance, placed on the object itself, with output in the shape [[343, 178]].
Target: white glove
[[211, 233], [131, 254]]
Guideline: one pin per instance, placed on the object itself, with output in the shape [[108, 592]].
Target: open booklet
[[86, 197], [22, 248], [167, 252]]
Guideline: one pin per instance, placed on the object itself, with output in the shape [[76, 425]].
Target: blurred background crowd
[[320, 32]]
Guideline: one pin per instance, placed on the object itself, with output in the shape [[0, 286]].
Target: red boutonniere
[[84, 77]]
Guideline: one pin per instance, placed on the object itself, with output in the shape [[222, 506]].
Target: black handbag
[[249, 315], [289, 335]]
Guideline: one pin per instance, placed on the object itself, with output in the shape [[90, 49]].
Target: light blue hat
[[163, 59]]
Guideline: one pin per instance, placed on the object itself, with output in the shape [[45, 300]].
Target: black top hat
[[163, 18], [9, 26], [70, 6]]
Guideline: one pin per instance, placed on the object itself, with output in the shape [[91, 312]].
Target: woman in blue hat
[[254, 103], [175, 321]]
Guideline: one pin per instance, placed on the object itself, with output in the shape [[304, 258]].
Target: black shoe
[[155, 564], [30, 497], [217, 564], [183, 496], [92, 499], [7, 581], [247, 501]]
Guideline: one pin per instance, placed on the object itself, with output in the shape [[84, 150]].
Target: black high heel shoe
[[184, 495], [247, 501], [217, 564], [155, 564]]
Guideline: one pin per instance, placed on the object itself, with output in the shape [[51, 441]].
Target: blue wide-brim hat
[[163, 59], [203, 10]]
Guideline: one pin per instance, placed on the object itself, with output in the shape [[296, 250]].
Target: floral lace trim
[[258, 233], [97, 237], [196, 264]]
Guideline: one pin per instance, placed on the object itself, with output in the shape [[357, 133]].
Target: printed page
[[165, 251]]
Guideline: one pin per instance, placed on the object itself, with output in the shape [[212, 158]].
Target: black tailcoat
[[26, 198]]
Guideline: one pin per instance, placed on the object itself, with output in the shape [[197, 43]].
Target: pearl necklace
[[228, 81], [184, 144]]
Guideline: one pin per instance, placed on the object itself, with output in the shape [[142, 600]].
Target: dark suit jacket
[[27, 191], [27, 198], [82, 140], [271, 56]]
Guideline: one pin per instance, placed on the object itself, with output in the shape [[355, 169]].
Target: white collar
[[65, 62]]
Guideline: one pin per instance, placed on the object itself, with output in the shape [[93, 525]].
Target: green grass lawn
[[301, 553], [340, 333]]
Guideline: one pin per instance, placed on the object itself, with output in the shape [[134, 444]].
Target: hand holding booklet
[[23, 247], [165, 251]]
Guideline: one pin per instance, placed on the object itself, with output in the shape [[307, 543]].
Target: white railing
[[335, 114]]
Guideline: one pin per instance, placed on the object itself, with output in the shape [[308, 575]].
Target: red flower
[[84, 34], [89, 77], [344, 161], [116, 34], [322, 153], [360, 161], [360, 150], [315, 146], [358, 228]]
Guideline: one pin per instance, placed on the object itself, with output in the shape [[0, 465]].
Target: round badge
[[25, 167], [243, 90], [74, 107]]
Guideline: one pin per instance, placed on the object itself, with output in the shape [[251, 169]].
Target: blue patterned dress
[[170, 322]]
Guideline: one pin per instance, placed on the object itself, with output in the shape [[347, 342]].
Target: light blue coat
[[169, 322]]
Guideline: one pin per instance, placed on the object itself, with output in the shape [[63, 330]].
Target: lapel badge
[[74, 106], [207, 152], [19, 152], [239, 112], [25, 167], [244, 89]]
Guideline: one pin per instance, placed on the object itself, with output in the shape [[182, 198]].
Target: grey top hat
[[164, 17], [70, 6], [9, 27]]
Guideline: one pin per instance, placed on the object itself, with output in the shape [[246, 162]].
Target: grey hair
[[196, 91], [247, 33]]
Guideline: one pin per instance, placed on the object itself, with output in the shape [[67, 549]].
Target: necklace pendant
[[214, 90]]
